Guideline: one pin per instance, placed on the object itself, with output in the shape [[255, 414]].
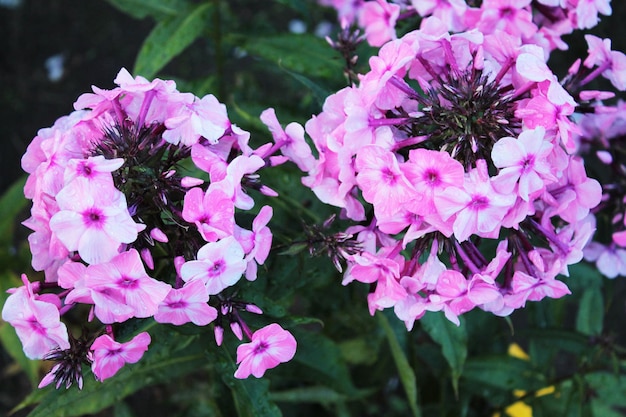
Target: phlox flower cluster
[[456, 155], [541, 22], [135, 196], [603, 141]]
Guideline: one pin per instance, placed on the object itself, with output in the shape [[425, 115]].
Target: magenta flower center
[[93, 218], [260, 348], [217, 268], [479, 203]]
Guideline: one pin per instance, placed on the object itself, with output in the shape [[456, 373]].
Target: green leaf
[[324, 357], [502, 372], [155, 8], [451, 338], [169, 38], [302, 54], [315, 394], [407, 376], [590, 312], [163, 362], [318, 91], [11, 203], [251, 395]]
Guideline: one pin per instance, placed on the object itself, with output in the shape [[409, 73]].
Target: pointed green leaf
[[163, 361], [303, 54], [155, 8], [251, 395], [407, 376], [169, 38], [451, 338], [503, 372], [323, 357], [318, 91], [590, 312], [11, 203]]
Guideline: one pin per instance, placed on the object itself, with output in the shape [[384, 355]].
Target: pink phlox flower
[[36, 320], [613, 62], [512, 16], [459, 295], [268, 347], [587, 12], [382, 182], [48, 252], [411, 308], [212, 212], [126, 276], [186, 304], [379, 20], [110, 356], [522, 164], [525, 287], [347, 10], [431, 172], [451, 12], [257, 242], [212, 158], [291, 140], [550, 108], [205, 118], [575, 237], [368, 268], [477, 208], [219, 265], [231, 185], [96, 169], [392, 60], [609, 259], [93, 221], [574, 195]]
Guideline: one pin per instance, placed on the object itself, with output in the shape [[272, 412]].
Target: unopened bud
[[189, 182], [253, 309], [236, 328], [218, 332], [158, 235]]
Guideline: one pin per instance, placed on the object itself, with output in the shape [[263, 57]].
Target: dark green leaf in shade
[[158, 9], [163, 361], [451, 338], [324, 357], [170, 37], [590, 312], [407, 376], [503, 372], [303, 54], [251, 395], [11, 203]]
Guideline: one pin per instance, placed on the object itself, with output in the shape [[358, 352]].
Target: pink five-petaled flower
[[93, 220], [523, 163], [269, 346], [110, 356], [219, 265], [212, 212], [187, 304], [124, 279], [37, 322]]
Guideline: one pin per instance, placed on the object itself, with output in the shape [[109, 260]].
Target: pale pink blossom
[[36, 321], [93, 221], [219, 265], [186, 304], [269, 346], [110, 356]]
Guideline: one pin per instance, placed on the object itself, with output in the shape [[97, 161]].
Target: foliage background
[[348, 363]]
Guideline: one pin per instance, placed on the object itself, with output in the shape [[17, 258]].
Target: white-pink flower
[[93, 220], [219, 265], [110, 356], [270, 346], [187, 304], [37, 322]]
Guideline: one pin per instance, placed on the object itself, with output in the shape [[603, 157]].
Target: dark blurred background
[[50, 53]]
